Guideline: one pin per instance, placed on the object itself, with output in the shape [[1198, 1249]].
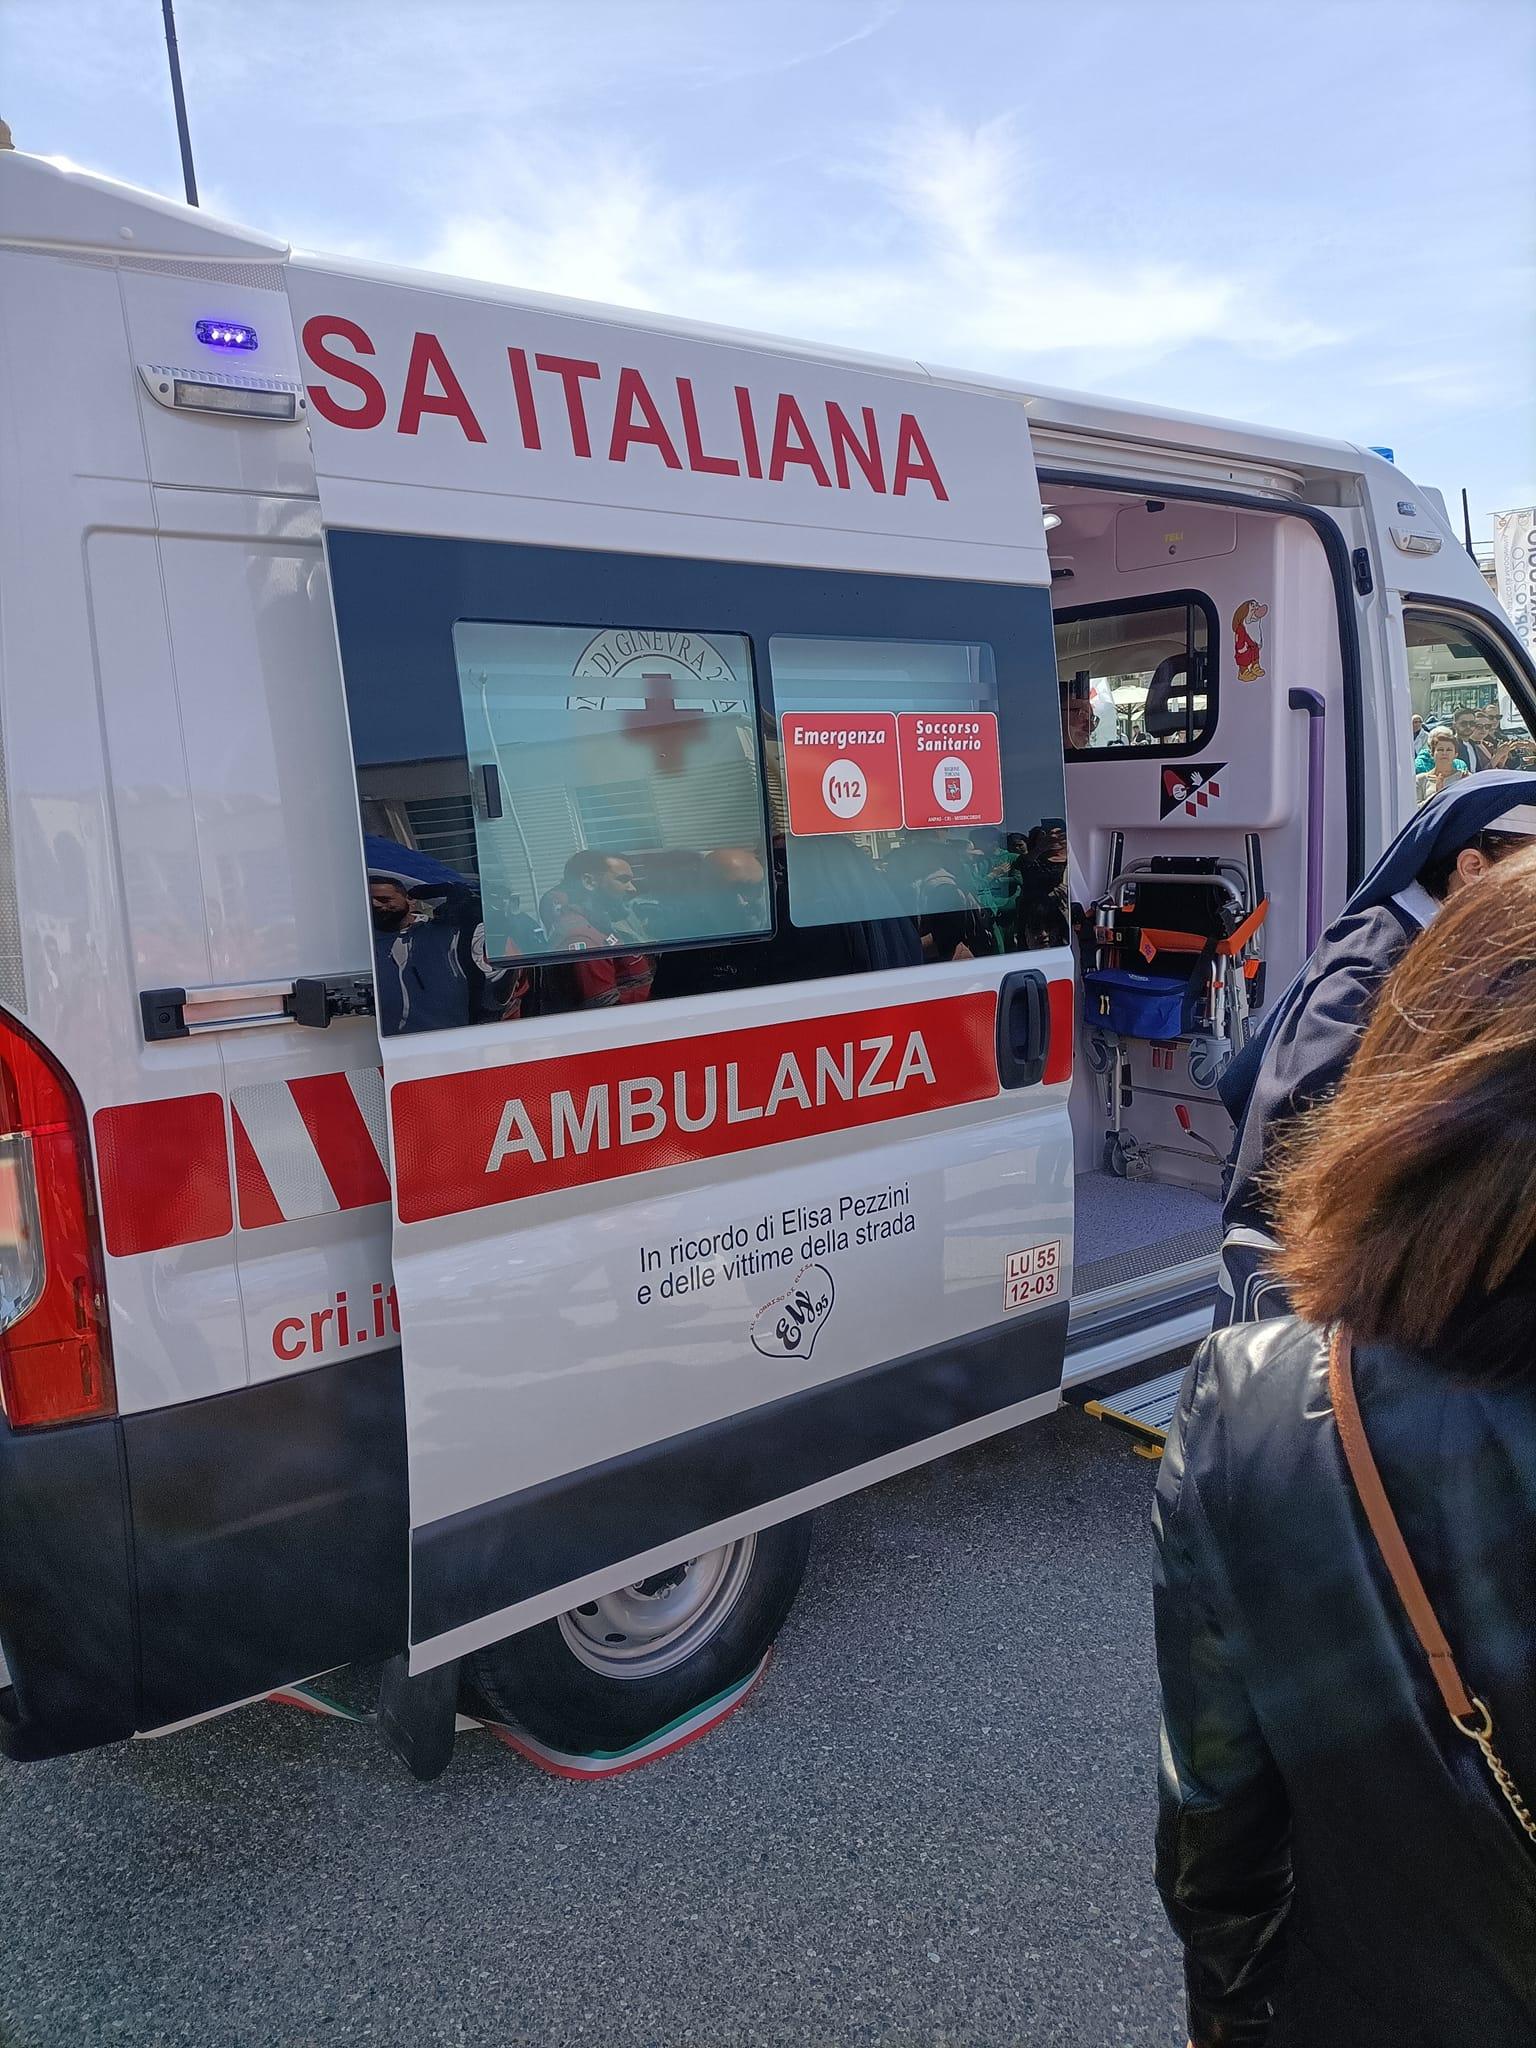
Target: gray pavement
[[932, 1825]]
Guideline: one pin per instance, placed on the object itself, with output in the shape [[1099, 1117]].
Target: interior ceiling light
[[1052, 521]]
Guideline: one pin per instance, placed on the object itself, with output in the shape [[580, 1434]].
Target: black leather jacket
[[1334, 1856]]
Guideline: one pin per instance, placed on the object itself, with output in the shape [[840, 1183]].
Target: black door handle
[[1023, 1027]]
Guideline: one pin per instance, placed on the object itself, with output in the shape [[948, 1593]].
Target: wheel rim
[[642, 1630]]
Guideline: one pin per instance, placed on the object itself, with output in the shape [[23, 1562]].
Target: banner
[[1514, 561]]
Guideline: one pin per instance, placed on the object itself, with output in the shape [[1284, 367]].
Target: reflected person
[[431, 971], [592, 912]]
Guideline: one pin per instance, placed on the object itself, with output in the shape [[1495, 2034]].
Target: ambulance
[[579, 897]]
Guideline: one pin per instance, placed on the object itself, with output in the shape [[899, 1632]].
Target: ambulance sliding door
[[726, 1034], [723, 988]]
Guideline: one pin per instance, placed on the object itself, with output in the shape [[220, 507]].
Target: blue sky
[[1320, 216]]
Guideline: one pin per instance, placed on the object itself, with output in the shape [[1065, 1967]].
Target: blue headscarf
[[1448, 822]]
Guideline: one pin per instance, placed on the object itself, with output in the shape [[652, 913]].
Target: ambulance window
[[890, 801], [616, 791], [1462, 685], [1137, 677]]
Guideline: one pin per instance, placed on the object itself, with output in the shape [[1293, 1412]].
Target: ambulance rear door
[[704, 712]]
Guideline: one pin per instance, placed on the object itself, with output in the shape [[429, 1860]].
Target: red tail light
[[55, 1353]]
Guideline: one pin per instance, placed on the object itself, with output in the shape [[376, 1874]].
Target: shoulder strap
[[1384, 1527], [1468, 1713]]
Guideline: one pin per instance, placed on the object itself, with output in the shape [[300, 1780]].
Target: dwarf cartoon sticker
[[1248, 639], [1191, 789]]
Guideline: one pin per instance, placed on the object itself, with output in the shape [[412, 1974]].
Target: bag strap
[[1466, 1710]]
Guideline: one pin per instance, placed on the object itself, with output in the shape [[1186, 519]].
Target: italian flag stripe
[[613, 1763]]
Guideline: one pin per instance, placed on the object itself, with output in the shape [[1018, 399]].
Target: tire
[[682, 1641]]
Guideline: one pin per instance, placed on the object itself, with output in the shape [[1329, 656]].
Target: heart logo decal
[[788, 1326]]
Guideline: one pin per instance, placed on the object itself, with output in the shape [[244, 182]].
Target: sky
[[1315, 216]]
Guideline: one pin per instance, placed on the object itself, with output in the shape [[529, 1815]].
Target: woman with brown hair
[[1347, 1865]]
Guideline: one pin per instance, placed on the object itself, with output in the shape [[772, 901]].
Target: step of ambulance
[[1142, 1406]]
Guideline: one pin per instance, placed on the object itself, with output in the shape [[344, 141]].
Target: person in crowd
[[845, 916], [733, 901], [736, 889], [1342, 1863], [430, 963], [1301, 1053], [1445, 764], [1043, 909], [1491, 737], [997, 885], [592, 914], [1468, 726], [951, 922], [1078, 717], [1416, 731]]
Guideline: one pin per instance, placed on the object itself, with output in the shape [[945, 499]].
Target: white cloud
[[1444, 386], [945, 260]]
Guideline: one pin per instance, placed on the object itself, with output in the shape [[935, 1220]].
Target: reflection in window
[[1464, 719], [1136, 676], [616, 796], [431, 968]]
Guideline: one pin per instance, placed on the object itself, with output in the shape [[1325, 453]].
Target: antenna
[[1466, 523], [188, 175]]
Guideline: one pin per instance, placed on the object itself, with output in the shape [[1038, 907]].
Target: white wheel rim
[[641, 1630]]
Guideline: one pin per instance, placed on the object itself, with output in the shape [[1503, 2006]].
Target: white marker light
[[192, 396], [238, 397]]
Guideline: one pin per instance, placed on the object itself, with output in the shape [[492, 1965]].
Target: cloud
[[1443, 386], [947, 256]]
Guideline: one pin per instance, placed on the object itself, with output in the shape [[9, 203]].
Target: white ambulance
[[541, 1040]]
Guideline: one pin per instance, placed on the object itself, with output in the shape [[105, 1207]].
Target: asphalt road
[[932, 1825]]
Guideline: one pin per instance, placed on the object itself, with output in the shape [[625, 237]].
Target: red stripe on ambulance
[[257, 1203], [468, 1141], [164, 1172], [309, 1147], [342, 1133]]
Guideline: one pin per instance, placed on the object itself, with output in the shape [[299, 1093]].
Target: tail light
[[55, 1353]]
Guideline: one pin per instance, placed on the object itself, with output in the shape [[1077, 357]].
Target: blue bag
[[1137, 1005]]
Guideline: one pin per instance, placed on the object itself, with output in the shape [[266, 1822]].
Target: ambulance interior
[[1203, 797]]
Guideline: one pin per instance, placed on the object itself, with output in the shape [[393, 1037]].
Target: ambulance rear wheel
[[616, 1671]]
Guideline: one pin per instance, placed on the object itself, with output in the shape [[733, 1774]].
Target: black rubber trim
[[1345, 602], [164, 1564], [508, 1550]]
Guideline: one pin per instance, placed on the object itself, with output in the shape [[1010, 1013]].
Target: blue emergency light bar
[[226, 334]]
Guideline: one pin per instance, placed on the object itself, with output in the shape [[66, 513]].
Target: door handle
[[1023, 1027]]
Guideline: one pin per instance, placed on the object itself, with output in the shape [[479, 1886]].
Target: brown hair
[[1408, 1201]]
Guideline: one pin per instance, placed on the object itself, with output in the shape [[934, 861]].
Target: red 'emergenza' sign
[[466, 1141], [841, 772]]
